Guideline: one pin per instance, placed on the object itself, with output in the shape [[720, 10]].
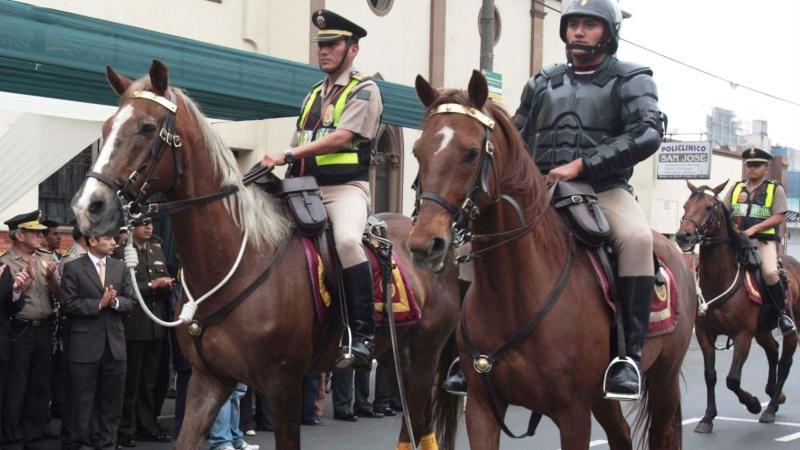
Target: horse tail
[[446, 407], [644, 416]]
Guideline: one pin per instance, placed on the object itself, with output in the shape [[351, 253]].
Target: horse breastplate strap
[[573, 116]]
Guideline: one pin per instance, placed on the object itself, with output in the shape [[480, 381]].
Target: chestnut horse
[[272, 338], [522, 250], [729, 311]]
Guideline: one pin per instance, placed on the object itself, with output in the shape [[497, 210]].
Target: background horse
[[272, 338], [557, 370], [731, 313]]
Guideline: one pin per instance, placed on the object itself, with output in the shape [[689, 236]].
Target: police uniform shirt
[[779, 204], [362, 112], [37, 297]]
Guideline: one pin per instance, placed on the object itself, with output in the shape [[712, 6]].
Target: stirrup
[[454, 365], [616, 395], [345, 360]]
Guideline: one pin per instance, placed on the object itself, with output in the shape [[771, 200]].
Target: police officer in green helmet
[[338, 119], [758, 208]]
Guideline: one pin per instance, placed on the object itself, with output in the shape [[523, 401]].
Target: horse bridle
[[701, 229], [133, 198], [464, 215]]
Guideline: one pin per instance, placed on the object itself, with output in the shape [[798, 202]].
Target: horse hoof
[[767, 417], [704, 427], [754, 407]]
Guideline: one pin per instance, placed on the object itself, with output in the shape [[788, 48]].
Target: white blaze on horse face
[[104, 158], [447, 135]]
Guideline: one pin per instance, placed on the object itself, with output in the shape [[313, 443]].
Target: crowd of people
[[75, 345]]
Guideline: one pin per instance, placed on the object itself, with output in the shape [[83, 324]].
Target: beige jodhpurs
[[631, 237], [347, 206], [768, 250]]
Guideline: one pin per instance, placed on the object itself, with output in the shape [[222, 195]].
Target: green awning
[[51, 53]]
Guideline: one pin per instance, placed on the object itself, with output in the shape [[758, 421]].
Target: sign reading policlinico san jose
[[684, 161]]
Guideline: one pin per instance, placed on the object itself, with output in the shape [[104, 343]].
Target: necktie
[[101, 265]]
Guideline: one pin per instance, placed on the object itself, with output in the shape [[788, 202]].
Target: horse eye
[[471, 155], [147, 129]]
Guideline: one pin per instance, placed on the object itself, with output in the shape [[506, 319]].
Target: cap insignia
[[320, 21]]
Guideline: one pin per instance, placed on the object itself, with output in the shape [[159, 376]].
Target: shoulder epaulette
[[3, 252]]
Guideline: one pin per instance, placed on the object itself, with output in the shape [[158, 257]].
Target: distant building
[[722, 127], [758, 137]]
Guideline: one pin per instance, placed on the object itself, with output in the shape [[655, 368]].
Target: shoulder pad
[[628, 69], [45, 251], [554, 70]]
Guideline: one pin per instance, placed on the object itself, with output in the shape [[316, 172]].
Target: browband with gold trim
[[455, 108], [158, 99]]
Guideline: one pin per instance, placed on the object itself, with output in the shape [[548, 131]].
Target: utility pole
[[487, 34]]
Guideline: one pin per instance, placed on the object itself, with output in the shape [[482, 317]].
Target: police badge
[[327, 116]]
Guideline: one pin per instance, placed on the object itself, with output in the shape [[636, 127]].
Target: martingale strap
[[484, 363]]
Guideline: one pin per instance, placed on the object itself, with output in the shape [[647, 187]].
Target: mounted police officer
[[758, 208], [593, 120], [337, 120]]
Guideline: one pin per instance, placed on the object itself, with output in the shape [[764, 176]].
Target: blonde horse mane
[[253, 210]]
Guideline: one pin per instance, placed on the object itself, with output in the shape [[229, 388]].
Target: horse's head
[[455, 153], [135, 160], [703, 213]]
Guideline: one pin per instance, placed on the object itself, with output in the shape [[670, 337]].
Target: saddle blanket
[[754, 293], [404, 304], [663, 308]]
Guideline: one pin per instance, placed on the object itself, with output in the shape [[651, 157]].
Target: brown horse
[[272, 338], [520, 254], [729, 311]]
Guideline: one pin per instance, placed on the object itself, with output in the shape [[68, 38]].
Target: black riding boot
[[636, 293], [778, 294], [361, 311], [456, 384]]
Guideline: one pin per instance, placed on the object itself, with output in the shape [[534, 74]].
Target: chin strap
[[591, 49]]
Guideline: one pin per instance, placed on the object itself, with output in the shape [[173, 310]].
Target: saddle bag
[[304, 200], [577, 201]]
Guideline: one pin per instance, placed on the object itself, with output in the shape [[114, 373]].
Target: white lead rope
[[190, 307], [703, 305]]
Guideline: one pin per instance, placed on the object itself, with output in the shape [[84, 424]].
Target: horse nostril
[[436, 246], [96, 206]]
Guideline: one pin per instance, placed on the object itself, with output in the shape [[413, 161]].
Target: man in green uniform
[[27, 388], [338, 119], [143, 339], [758, 208]]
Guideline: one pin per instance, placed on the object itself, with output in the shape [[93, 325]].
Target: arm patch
[[363, 94]]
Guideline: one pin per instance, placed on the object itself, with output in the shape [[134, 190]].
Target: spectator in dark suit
[[7, 307], [97, 291]]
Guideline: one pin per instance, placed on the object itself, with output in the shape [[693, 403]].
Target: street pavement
[[734, 428]]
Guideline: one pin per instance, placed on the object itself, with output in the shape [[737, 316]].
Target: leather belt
[[29, 323]]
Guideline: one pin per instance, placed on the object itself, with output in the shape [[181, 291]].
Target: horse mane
[[521, 179], [252, 209]]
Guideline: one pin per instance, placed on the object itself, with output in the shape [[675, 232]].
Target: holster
[[577, 201], [748, 252], [304, 200]]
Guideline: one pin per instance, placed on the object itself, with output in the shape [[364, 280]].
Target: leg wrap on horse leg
[[428, 442], [404, 446]]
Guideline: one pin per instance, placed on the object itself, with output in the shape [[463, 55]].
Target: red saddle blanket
[[754, 293], [404, 304], [663, 309]]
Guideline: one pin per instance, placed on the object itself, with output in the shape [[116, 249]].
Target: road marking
[[691, 421], [596, 443], [789, 437], [735, 419]]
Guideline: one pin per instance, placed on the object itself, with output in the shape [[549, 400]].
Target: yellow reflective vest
[[747, 211]]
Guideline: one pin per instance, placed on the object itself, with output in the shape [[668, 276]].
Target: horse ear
[[118, 82], [478, 89], [719, 188], [691, 186], [426, 93], [159, 77]]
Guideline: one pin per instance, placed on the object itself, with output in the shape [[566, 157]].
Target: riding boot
[[456, 383], [624, 379], [778, 294], [360, 299]]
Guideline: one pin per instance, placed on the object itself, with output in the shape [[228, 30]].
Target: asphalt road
[[735, 428]]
